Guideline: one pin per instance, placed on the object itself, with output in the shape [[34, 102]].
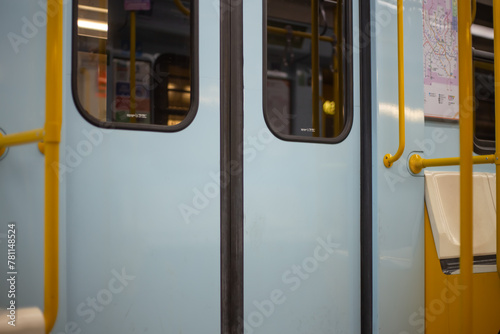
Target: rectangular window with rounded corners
[[135, 63], [484, 80], [308, 69], [484, 103]]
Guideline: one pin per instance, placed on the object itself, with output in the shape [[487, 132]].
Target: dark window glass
[[484, 91], [484, 80], [147, 83], [307, 86]]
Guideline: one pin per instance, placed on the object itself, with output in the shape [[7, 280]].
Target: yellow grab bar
[[53, 120], [466, 137], [389, 159], [181, 7], [496, 27], [417, 163], [20, 138], [283, 31]]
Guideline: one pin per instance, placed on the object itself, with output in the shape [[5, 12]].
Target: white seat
[[442, 196], [27, 321]]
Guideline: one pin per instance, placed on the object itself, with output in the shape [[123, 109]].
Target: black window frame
[[482, 146], [193, 109], [348, 51]]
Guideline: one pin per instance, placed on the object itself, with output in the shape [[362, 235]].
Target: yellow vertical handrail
[[132, 66], [389, 159], [496, 27], [53, 120], [315, 66], [466, 137]]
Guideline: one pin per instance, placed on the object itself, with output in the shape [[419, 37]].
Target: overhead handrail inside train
[[271, 29], [51, 136], [390, 159]]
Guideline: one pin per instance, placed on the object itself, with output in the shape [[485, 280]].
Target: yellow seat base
[[443, 296]]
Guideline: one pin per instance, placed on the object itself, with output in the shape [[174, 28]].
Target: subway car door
[[301, 149], [140, 155]]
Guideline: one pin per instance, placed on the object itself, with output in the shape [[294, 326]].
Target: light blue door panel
[[135, 262], [301, 217]]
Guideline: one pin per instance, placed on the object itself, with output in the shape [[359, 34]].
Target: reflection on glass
[[293, 107], [484, 86], [154, 87]]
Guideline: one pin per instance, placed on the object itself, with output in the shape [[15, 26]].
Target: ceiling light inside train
[[92, 25], [482, 31], [93, 9]]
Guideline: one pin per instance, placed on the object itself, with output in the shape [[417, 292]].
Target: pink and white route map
[[440, 23]]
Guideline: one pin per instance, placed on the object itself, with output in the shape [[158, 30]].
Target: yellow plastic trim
[[53, 120], [417, 163], [390, 159], [181, 7], [496, 27], [466, 137], [21, 138]]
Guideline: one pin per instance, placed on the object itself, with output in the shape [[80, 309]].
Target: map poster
[[440, 38]]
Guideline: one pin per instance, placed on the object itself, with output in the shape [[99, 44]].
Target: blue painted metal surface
[[134, 262], [22, 96], [301, 228], [399, 206], [130, 262]]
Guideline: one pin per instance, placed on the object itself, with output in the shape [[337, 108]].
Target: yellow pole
[[53, 120], [20, 138], [496, 27], [132, 67], [389, 159], [466, 133], [315, 66]]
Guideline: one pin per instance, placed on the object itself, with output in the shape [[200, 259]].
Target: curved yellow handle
[[389, 159], [181, 7]]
